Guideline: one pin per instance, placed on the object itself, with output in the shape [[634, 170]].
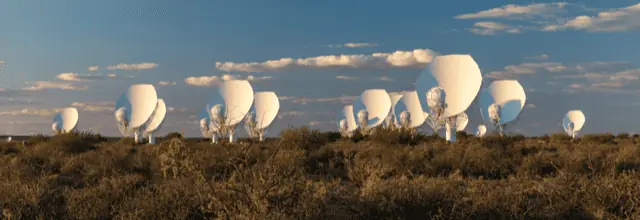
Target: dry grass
[[314, 175]]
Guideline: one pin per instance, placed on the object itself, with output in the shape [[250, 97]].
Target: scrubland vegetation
[[313, 175]]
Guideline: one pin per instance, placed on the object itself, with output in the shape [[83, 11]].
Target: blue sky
[[567, 55]]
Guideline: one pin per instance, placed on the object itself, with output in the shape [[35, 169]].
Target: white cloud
[[417, 58], [526, 69], [538, 57], [202, 80], [30, 111], [354, 45], [93, 68], [138, 66], [75, 77], [615, 20], [284, 98], [290, 114], [384, 78], [511, 10], [166, 83], [346, 77], [342, 99], [42, 85], [530, 105], [216, 80], [94, 106], [491, 28]]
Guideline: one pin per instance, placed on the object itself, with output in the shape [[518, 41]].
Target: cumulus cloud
[[354, 45], [417, 58], [491, 28], [216, 80], [166, 83], [93, 68], [44, 85], [346, 77], [75, 77], [513, 71], [511, 11], [614, 20], [138, 66]]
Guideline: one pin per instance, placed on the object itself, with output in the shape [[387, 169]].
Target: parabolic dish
[[237, 98], [458, 75], [411, 104], [141, 101], [266, 106], [575, 116], [395, 98], [346, 117], [66, 120], [376, 103], [508, 94], [157, 118], [461, 121], [204, 121], [481, 130]]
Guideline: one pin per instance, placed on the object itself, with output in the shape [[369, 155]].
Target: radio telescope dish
[[392, 119], [371, 108], [235, 98], [347, 122], [502, 102], [157, 119], [458, 75], [573, 121], [409, 111], [135, 107], [265, 109], [481, 131], [65, 121]]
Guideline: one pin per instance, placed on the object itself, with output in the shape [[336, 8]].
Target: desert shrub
[[38, 138], [560, 137], [315, 175], [607, 138], [172, 135], [623, 136]]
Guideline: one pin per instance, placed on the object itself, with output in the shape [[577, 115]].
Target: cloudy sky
[[316, 55]]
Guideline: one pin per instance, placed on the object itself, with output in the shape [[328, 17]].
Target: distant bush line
[[307, 174]]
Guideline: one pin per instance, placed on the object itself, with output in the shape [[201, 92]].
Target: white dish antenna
[[457, 79], [573, 121], [458, 75], [392, 119], [502, 102], [454, 124], [230, 105], [481, 130], [157, 119], [65, 121], [347, 122], [265, 109], [409, 111], [134, 108], [371, 109]]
